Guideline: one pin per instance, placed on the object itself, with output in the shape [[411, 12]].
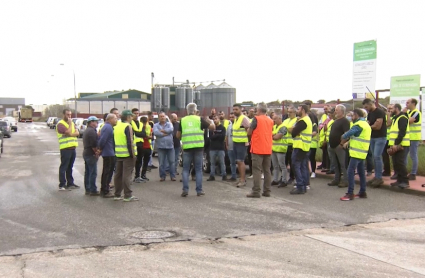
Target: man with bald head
[[176, 141]]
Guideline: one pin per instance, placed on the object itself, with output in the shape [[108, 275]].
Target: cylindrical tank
[[189, 95], [165, 97], [156, 98], [180, 98], [223, 97]]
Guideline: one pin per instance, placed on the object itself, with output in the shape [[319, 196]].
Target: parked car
[[55, 122], [74, 120], [101, 121], [13, 123], [5, 129], [51, 122], [1, 142], [81, 126]]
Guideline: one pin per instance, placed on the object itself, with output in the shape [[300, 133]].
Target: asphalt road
[[34, 216]]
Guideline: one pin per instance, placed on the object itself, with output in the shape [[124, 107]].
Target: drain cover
[[152, 234]]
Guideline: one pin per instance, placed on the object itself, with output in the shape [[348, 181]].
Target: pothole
[[152, 234]]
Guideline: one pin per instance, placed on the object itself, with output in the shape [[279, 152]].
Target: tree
[[56, 110], [321, 101]]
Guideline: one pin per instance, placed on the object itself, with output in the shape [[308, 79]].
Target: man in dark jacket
[[107, 148], [217, 137]]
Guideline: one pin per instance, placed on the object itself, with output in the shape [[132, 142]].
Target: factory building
[[9, 105]]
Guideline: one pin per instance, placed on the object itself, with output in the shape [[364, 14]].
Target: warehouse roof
[[108, 94], [12, 101]]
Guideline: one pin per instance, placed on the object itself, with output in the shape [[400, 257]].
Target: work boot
[[394, 177], [412, 177], [200, 193], [377, 182], [282, 184], [403, 185], [107, 195], [394, 183], [266, 194], [361, 195], [224, 178], [211, 178], [333, 183], [253, 195], [274, 183], [184, 194], [369, 182], [343, 184], [297, 191]]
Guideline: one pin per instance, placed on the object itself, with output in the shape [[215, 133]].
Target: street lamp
[[75, 94]]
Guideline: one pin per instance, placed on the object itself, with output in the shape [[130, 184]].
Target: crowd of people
[[280, 150]]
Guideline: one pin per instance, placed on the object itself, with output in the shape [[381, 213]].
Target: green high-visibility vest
[[394, 133], [288, 123], [226, 123], [303, 140], [359, 146], [192, 134], [120, 139], [138, 129], [239, 132], [328, 129], [279, 146], [415, 128], [66, 141], [314, 140]]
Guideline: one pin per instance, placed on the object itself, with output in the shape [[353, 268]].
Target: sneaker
[[308, 187], [184, 194], [211, 178], [330, 172], [97, 193], [241, 184], [324, 170], [377, 182], [333, 183], [369, 174], [64, 189], [144, 178], [153, 167], [295, 186], [297, 191], [233, 179], [361, 195], [250, 177], [73, 186], [266, 194], [118, 198], [224, 178], [385, 174], [201, 193], [320, 167], [290, 181], [274, 183], [138, 180], [343, 184], [369, 182], [131, 199], [403, 185], [394, 177], [108, 195], [162, 179], [253, 195], [412, 177], [173, 179], [282, 184], [347, 197], [394, 183], [313, 175]]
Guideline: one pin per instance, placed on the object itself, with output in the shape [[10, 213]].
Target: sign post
[[364, 70]]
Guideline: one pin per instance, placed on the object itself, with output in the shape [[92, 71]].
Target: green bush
[[421, 157]]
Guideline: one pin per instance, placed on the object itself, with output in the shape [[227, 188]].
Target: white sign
[[364, 70]]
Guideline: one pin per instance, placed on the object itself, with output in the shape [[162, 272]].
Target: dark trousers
[[65, 169], [142, 161], [288, 161], [369, 161], [326, 162], [312, 156], [249, 159], [146, 157], [300, 165], [90, 173], [123, 173], [400, 167], [386, 160], [107, 172]]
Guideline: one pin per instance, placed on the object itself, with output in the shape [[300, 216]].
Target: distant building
[[98, 104], [8, 105]]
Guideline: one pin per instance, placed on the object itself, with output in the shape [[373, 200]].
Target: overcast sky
[[268, 50]]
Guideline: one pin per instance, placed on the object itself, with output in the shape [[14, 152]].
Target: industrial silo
[[189, 95], [180, 98], [156, 99], [207, 99], [223, 97], [165, 99]]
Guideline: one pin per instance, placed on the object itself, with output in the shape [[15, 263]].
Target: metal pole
[[75, 96]]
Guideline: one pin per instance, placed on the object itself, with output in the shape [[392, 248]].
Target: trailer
[[25, 115]]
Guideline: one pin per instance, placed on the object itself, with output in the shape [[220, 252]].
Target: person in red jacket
[[261, 132]]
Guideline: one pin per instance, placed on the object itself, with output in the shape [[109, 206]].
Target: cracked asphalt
[[35, 217]]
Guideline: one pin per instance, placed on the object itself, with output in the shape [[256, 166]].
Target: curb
[[384, 186]]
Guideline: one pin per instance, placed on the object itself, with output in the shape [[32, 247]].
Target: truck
[[25, 115]]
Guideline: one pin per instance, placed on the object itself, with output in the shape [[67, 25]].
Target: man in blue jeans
[[359, 144], [192, 135], [229, 147], [415, 125], [163, 131], [376, 120], [217, 137], [91, 156]]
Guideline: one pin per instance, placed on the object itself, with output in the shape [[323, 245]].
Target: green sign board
[[365, 50], [405, 86]]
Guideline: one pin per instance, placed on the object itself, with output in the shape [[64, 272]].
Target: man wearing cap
[[126, 152], [91, 156], [107, 149]]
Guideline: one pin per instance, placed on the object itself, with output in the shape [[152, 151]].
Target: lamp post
[[75, 94]]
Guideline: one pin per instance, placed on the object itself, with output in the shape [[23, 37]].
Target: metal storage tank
[[223, 97], [166, 98], [189, 95], [180, 98], [156, 98]]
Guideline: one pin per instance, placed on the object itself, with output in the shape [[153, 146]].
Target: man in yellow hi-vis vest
[[126, 152], [67, 137], [415, 126]]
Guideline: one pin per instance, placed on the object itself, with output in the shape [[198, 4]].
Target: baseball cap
[[92, 119], [126, 113]]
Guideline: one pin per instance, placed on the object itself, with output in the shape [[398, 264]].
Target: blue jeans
[[358, 164], [377, 146], [196, 157], [65, 169], [232, 158], [300, 165], [413, 151], [213, 158], [166, 155], [90, 173], [153, 148], [176, 157]]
